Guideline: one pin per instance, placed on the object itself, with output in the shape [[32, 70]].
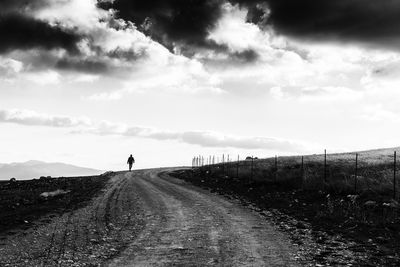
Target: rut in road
[[188, 226], [147, 218]]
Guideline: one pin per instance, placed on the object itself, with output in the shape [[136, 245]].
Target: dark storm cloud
[[82, 65], [183, 25], [21, 5], [101, 62], [18, 31], [35, 42], [248, 55], [128, 55], [234, 57], [369, 21], [188, 22], [171, 22]]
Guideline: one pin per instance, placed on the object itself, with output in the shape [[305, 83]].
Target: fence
[[352, 172]]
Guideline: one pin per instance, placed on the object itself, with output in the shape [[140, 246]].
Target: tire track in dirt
[[144, 218], [233, 223], [58, 255], [187, 226], [87, 236]]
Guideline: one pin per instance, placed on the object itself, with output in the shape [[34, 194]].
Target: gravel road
[[147, 218]]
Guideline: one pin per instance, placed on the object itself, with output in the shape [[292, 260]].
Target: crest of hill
[[367, 156]]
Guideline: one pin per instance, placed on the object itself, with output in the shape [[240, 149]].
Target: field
[[374, 172], [21, 203], [361, 208]]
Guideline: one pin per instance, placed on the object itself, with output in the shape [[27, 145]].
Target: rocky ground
[[84, 227], [23, 202], [330, 230], [148, 218]]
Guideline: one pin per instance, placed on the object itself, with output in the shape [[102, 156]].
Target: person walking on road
[[130, 161]]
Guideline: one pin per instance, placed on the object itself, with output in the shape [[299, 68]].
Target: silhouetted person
[[130, 161]]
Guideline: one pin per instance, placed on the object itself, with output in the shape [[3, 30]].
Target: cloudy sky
[[88, 82]]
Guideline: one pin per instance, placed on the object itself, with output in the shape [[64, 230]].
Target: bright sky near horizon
[[89, 82]]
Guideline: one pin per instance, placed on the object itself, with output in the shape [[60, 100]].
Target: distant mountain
[[34, 169]]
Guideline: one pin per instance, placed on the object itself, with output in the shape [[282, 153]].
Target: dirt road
[[147, 218]]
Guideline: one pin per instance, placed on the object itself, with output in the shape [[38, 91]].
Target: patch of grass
[[374, 172]]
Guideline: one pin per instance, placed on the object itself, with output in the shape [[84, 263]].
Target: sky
[[88, 82]]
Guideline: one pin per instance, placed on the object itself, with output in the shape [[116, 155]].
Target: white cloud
[[43, 77], [210, 139], [9, 68], [201, 138], [141, 63], [317, 94], [89, 78], [29, 117], [86, 18], [233, 30], [80, 13], [179, 75], [10, 65], [113, 45], [298, 69]]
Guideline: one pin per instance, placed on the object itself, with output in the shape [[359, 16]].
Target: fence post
[[276, 168], [325, 166], [193, 162], [252, 162], [356, 174], [223, 164], [227, 165], [302, 171], [394, 176], [237, 168]]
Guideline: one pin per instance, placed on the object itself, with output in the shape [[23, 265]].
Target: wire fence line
[[351, 172]]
